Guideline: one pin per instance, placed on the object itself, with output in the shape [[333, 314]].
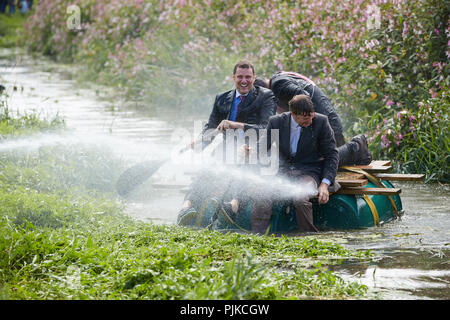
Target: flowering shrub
[[419, 141], [373, 58]]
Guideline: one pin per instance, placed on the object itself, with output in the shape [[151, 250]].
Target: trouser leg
[[347, 154], [356, 152], [340, 140], [304, 216], [324, 106], [206, 184], [3, 6], [261, 213], [302, 205]]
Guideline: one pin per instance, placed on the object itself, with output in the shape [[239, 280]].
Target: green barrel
[[353, 211], [342, 212]]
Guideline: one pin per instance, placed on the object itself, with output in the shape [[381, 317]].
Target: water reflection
[[403, 274]]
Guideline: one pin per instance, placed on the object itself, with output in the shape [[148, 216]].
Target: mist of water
[[193, 164]]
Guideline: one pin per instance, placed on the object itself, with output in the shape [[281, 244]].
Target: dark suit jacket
[[285, 86], [317, 154], [254, 111]]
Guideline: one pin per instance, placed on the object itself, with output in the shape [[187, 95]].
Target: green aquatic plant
[[14, 123], [112, 262]]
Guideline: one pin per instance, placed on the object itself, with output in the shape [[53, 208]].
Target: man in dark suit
[[307, 154], [243, 108], [286, 85]]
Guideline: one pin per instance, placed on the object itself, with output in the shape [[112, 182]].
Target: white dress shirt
[[295, 136]]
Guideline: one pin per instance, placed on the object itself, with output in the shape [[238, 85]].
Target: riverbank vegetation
[[11, 30], [64, 235], [383, 63]]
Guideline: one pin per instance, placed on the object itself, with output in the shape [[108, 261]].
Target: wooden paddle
[[136, 175]]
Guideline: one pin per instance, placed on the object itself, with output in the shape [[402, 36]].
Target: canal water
[[412, 253]]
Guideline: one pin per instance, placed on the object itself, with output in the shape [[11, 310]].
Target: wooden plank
[[374, 166], [377, 169], [400, 177], [380, 163], [379, 191], [352, 182], [369, 168], [347, 175]]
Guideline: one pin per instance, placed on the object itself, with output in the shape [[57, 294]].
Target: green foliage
[[418, 140], [11, 31], [118, 258], [61, 167], [60, 242], [63, 235], [373, 58], [15, 124]]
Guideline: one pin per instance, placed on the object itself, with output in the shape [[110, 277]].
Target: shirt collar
[[238, 94], [294, 125]]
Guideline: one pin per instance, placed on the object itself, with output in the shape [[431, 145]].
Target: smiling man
[[245, 107]]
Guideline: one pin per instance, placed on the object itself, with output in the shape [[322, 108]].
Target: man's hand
[[227, 124], [323, 195], [235, 205], [244, 151], [191, 144]]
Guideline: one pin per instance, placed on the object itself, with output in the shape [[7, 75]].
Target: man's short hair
[[301, 105], [243, 64]]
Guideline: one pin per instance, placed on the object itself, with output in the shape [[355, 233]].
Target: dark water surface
[[412, 254]]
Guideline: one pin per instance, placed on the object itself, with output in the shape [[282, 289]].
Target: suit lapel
[[229, 102], [285, 134]]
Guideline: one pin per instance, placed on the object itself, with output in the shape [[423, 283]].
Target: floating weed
[[63, 237], [161, 269]]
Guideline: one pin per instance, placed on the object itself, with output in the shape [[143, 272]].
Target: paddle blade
[[136, 175]]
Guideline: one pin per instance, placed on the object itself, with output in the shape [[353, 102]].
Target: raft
[[367, 198]]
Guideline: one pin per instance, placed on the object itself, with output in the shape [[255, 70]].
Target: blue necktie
[[235, 107]]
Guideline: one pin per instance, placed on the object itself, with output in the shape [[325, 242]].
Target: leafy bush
[[418, 140], [373, 58]]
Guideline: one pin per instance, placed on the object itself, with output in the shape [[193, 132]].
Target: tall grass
[[13, 123], [11, 30]]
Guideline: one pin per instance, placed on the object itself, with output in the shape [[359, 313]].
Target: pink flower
[[405, 29], [278, 64]]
